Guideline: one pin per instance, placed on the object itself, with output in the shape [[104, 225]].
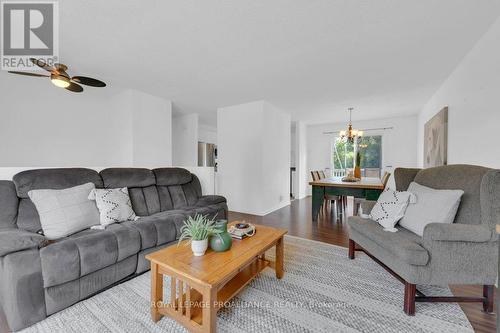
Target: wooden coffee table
[[200, 286]]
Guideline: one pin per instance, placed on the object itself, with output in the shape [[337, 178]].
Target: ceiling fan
[[60, 78]]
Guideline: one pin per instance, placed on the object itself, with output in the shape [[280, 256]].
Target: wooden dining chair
[[372, 172], [385, 178], [322, 174], [315, 176]]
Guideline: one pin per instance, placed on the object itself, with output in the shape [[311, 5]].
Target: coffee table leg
[[279, 258], [209, 321], [156, 292]]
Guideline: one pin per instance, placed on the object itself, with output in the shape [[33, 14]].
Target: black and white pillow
[[114, 205], [390, 208]]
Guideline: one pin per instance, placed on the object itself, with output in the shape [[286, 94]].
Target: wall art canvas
[[436, 140]]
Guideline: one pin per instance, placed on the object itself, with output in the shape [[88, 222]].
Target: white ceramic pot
[[199, 247]]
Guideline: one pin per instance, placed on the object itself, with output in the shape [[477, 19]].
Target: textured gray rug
[[322, 291]]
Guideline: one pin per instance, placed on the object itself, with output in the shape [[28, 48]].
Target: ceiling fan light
[[60, 81]]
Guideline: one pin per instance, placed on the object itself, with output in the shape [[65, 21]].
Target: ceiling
[[312, 58]]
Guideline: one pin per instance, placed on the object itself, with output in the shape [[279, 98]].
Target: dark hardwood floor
[[297, 219]]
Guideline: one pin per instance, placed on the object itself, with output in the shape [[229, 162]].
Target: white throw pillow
[[390, 208], [114, 205], [431, 206], [64, 212]]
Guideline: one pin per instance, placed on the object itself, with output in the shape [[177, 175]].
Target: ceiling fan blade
[[42, 64], [74, 87], [88, 81], [60, 67], [29, 74]]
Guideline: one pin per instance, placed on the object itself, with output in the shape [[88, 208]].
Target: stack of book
[[244, 231]]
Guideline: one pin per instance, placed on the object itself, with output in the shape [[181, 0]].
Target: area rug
[[322, 291]]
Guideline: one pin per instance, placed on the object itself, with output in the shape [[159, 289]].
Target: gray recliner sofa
[[40, 277], [464, 252]]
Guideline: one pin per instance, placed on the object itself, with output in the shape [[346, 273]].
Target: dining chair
[[385, 178], [372, 172], [315, 175], [322, 174]]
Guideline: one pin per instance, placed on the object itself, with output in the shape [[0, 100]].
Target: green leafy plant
[[199, 227]]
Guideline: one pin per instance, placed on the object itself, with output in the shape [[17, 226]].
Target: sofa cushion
[[14, 240], [86, 252], [165, 198], [403, 244], [190, 193], [54, 179], [208, 200], [127, 177], [172, 176], [141, 184], [145, 200], [215, 211], [9, 203], [158, 229], [178, 196], [27, 216]]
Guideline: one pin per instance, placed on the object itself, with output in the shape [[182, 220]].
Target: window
[[344, 154]]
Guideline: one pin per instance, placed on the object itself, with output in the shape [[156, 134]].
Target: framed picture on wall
[[436, 140]]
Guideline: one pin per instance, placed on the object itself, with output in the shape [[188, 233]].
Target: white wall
[[254, 157], [150, 126], [46, 126], [399, 145], [185, 140], [302, 172], [207, 134], [472, 93]]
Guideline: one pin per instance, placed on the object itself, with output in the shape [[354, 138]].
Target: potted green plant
[[197, 230]]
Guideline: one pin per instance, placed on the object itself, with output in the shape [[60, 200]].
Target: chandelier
[[351, 134]]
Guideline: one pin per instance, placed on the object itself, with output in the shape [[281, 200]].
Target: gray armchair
[[465, 252]]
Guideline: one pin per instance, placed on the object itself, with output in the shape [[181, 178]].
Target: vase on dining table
[[357, 168]]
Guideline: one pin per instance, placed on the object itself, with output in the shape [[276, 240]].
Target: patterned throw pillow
[[114, 205], [390, 208]]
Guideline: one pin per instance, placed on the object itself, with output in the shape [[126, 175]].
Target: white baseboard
[[261, 213]]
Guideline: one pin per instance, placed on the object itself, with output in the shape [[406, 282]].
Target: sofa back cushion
[[177, 188], [9, 204], [458, 177], [55, 179], [141, 184]]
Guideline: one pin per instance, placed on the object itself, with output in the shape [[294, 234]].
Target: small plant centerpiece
[[197, 230]]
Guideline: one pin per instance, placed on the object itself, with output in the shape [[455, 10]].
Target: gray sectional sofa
[[40, 277]]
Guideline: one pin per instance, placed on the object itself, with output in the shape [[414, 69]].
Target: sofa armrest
[[367, 206], [207, 200], [456, 232], [15, 240]]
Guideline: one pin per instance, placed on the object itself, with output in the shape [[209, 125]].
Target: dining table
[[368, 188]]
